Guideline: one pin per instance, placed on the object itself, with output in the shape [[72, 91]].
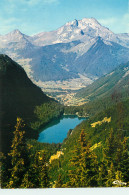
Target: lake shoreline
[[56, 131], [43, 126], [75, 115]]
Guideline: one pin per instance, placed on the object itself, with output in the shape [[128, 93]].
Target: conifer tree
[[18, 155], [26, 182], [122, 159], [37, 175], [110, 176], [43, 170], [116, 151], [59, 182], [102, 172], [83, 165], [74, 172], [4, 172], [110, 149], [119, 176]]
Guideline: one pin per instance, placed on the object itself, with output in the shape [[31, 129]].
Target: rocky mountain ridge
[[78, 47]]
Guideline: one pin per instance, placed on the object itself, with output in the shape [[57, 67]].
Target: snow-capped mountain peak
[[88, 22], [83, 30], [86, 47], [16, 31], [72, 23], [14, 36]]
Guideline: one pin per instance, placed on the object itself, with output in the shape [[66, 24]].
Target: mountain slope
[[84, 30], [52, 62], [97, 130], [103, 93], [116, 81], [101, 58], [19, 98], [61, 61], [78, 47], [119, 121]]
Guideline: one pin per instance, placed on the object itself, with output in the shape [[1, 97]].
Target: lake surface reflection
[[57, 130]]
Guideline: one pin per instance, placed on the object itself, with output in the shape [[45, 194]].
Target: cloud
[[108, 21], [119, 25], [11, 6], [126, 21], [16, 12], [7, 24]]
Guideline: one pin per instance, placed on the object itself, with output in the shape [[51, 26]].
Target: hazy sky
[[34, 16]]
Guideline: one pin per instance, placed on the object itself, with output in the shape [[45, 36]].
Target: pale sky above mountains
[[34, 16]]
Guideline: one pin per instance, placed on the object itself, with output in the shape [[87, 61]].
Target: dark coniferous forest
[[94, 154]]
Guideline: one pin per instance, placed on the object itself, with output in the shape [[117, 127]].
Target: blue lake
[[57, 130]]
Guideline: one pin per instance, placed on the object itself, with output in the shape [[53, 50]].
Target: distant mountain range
[[79, 47], [104, 92]]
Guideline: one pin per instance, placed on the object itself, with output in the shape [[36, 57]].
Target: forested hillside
[[103, 142], [103, 93], [95, 154], [19, 97], [116, 81]]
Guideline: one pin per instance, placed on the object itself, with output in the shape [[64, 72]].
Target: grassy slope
[[107, 84]]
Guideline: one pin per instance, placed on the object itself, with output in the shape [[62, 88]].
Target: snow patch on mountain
[[83, 30], [126, 74], [83, 45]]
